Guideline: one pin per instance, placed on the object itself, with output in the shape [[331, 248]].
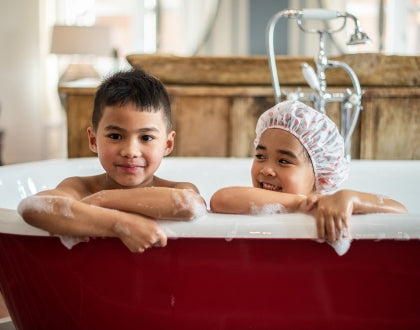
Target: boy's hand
[[331, 213], [139, 233]]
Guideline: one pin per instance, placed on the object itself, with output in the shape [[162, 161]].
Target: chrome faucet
[[350, 100]]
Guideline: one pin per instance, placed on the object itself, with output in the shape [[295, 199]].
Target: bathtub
[[219, 271]]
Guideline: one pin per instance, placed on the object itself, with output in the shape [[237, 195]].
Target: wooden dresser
[[216, 102]]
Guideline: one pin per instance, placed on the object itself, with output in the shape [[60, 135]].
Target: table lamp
[[85, 42]]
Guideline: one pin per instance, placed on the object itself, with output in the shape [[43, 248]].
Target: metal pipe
[[350, 101]]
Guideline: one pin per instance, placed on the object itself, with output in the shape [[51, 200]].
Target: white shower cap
[[317, 133]]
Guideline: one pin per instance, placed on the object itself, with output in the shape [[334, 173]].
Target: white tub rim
[[281, 226]]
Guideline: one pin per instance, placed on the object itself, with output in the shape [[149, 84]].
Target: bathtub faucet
[[350, 100]]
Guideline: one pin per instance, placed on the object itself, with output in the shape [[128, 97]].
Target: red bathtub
[[217, 272]]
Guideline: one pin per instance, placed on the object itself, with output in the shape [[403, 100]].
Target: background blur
[[31, 116]]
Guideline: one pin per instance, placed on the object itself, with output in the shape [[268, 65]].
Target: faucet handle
[[311, 77], [319, 14]]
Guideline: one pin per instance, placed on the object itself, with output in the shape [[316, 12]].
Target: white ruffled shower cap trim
[[317, 133]]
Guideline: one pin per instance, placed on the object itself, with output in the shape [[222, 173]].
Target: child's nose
[[131, 149], [268, 171]]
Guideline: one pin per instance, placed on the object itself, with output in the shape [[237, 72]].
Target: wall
[[20, 87], [31, 115], [260, 13]]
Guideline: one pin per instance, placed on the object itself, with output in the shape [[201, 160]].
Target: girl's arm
[[332, 212], [65, 216], [250, 200], [154, 202]]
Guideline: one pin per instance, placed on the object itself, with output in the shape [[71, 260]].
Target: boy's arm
[[59, 212], [332, 212], [250, 200], [154, 202]]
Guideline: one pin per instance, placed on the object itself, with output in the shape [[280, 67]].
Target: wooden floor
[[3, 308]]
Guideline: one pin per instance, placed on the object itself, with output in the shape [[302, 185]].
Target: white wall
[[20, 87], [30, 113]]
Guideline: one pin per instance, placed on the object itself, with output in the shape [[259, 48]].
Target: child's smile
[[269, 186], [281, 164], [131, 144]]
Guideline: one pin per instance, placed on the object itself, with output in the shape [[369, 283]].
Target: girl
[[299, 162]]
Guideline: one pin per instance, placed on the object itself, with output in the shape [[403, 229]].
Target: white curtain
[[185, 24]]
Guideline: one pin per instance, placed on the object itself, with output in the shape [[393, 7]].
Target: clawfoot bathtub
[[219, 271]]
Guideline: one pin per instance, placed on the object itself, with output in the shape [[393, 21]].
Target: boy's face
[[281, 164], [131, 144]]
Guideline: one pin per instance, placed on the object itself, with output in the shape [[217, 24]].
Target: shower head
[[358, 38]]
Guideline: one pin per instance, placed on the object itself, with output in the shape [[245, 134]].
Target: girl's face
[[130, 145], [282, 164]]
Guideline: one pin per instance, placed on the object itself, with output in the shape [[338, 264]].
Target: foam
[[47, 204], [122, 229], [268, 209], [185, 199], [381, 199], [70, 241], [342, 244]]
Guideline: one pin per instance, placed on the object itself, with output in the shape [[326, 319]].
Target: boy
[[131, 133], [299, 158]]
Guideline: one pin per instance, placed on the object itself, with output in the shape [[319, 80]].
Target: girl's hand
[[331, 213]]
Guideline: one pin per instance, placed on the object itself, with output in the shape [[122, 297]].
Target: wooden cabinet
[[78, 102], [390, 123], [215, 116]]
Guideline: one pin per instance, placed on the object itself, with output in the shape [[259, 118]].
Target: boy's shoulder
[[82, 185], [159, 182]]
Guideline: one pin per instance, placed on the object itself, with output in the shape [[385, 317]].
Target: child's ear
[[92, 140], [170, 143]]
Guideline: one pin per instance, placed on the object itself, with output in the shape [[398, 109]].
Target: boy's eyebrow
[[118, 128], [112, 128]]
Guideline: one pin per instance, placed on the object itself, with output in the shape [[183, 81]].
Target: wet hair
[[134, 86]]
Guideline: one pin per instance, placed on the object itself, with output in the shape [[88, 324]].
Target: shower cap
[[317, 133]]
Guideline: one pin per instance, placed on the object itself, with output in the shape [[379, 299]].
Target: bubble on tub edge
[[402, 235], [268, 209], [70, 241], [342, 245], [379, 237]]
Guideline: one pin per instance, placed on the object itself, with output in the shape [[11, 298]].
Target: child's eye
[[115, 136], [146, 138], [259, 156], [284, 161]]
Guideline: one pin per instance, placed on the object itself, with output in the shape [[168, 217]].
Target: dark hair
[[135, 86]]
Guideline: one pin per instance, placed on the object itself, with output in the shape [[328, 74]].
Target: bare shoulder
[[77, 187], [159, 182]]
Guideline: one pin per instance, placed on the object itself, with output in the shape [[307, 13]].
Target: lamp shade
[[83, 40]]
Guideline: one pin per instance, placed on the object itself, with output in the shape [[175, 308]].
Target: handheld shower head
[[358, 38]]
